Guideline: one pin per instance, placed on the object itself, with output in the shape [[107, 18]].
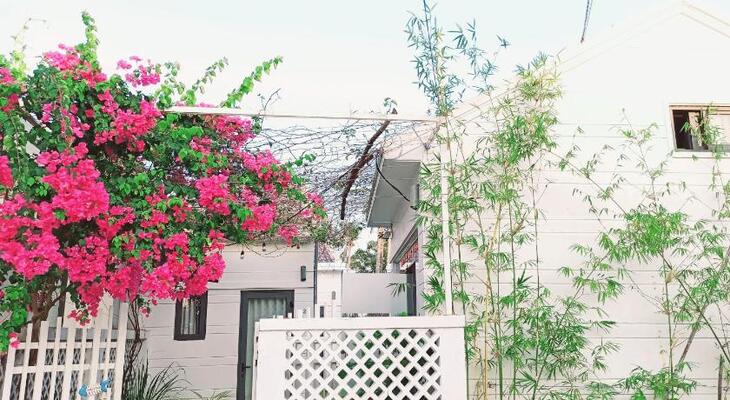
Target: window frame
[[202, 318], [702, 108]]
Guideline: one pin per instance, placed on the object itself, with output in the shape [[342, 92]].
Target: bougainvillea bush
[[105, 193]]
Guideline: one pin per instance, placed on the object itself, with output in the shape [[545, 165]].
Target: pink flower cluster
[[260, 163], [14, 341], [127, 126], [262, 218], [214, 193], [68, 61], [79, 193], [6, 77], [180, 276], [27, 243], [142, 75], [77, 127], [288, 233], [6, 174], [65, 60], [237, 130], [315, 199], [12, 101], [86, 262]]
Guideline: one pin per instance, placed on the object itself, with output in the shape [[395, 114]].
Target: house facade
[[661, 71], [211, 338]]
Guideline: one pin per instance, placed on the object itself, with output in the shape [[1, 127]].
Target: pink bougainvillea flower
[[6, 77], [123, 64], [288, 233], [65, 60], [261, 219], [214, 193], [14, 341], [6, 174], [12, 101]]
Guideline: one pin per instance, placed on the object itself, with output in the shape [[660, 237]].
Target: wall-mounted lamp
[[303, 273]]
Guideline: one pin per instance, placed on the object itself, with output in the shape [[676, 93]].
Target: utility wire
[[589, 5]]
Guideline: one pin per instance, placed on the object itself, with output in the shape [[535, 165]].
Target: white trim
[[424, 322]]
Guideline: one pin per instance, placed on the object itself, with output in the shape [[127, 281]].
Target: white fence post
[[270, 365], [40, 360], [120, 352]]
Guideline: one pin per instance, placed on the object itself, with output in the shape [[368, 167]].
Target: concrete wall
[[329, 281], [369, 293], [211, 364]]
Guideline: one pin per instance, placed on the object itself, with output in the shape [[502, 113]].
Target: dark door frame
[[242, 331], [411, 295]]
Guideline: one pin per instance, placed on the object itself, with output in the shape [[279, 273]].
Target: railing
[[66, 362], [362, 358]]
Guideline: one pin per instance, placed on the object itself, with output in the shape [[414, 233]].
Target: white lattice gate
[[360, 358], [63, 358]]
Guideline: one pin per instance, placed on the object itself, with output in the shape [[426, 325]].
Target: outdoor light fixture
[[303, 273], [243, 253]]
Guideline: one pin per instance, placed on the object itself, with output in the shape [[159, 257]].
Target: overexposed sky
[[339, 56]]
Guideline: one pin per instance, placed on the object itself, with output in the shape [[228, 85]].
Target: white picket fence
[[66, 356], [360, 358]]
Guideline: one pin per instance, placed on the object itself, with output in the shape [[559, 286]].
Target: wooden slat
[[82, 361], [9, 371], [108, 344], [40, 361], [94, 370], [54, 358], [121, 346], [26, 361], [70, 345]]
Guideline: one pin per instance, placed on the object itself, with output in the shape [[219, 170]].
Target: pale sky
[[339, 56]]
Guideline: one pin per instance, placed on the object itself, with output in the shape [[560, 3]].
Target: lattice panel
[[361, 364]]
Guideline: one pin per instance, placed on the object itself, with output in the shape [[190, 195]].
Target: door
[[411, 294], [254, 306]]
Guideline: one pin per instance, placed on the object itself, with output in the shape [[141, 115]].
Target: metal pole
[[314, 268], [445, 217]]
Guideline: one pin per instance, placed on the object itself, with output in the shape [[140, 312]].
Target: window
[[190, 316], [334, 295], [694, 126]]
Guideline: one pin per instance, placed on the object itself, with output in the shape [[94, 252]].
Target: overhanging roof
[[384, 198]]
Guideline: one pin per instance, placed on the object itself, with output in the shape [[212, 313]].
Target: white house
[[658, 69], [211, 338]]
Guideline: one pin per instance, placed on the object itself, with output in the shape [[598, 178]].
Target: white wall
[[630, 83], [329, 281], [369, 293], [626, 82], [211, 364]]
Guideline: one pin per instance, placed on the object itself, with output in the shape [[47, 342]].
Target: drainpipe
[[446, 151], [314, 268]]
